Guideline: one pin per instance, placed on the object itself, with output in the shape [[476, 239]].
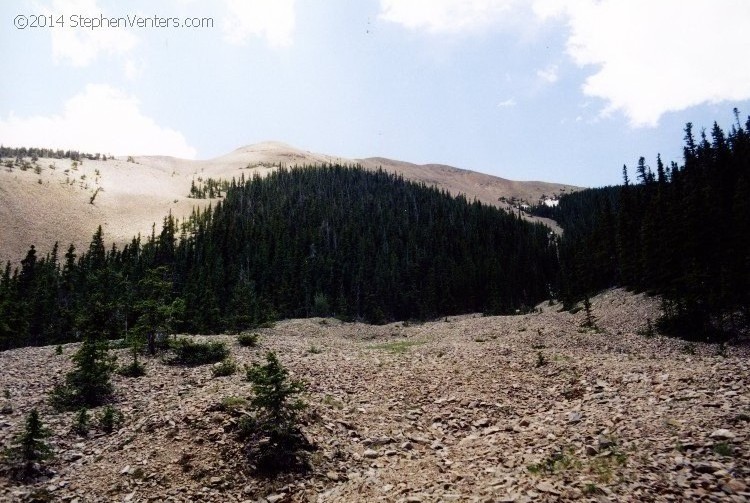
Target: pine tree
[[29, 447], [275, 442], [589, 320], [88, 384]]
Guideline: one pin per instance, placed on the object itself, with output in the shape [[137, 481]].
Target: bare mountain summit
[[60, 200]]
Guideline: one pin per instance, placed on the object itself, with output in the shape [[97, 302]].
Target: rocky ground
[[470, 408]]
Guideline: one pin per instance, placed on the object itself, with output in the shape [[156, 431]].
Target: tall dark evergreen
[[679, 233]]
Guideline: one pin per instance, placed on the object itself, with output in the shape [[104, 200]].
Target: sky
[[556, 90]]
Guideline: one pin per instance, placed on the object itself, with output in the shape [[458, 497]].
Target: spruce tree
[[88, 384], [275, 442], [29, 447]]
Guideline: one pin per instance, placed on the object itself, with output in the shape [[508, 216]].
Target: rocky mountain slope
[[507, 409], [56, 200]]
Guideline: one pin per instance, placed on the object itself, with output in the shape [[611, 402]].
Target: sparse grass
[[603, 469], [330, 401], [59, 349], [233, 403], [314, 350], [556, 462], [396, 347], [604, 466], [723, 449], [592, 489]]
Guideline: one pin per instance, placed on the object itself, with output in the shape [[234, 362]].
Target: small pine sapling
[[29, 448], [134, 368], [589, 320], [82, 423], [110, 419], [275, 442], [88, 384]]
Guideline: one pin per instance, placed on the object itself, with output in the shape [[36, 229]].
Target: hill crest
[[50, 200]]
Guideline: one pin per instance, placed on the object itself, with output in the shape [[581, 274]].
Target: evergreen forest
[[679, 231], [370, 246], [312, 241]]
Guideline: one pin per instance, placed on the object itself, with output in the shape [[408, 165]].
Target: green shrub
[[110, 419], [248, 339], [134, 368], [723, 449], [226, 368], [187, 352], [321, 307]]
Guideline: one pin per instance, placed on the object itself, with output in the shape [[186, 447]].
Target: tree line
[[36, 153], [311, 241]]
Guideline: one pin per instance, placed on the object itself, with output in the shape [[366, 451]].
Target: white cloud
[[272, 20], [79, 46], [646, 57], [133, 70], [655, 57], [447, 16], [548, 74], [100, 119], [510, 102]]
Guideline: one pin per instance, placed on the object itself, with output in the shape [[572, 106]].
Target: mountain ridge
[[51, 200]]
